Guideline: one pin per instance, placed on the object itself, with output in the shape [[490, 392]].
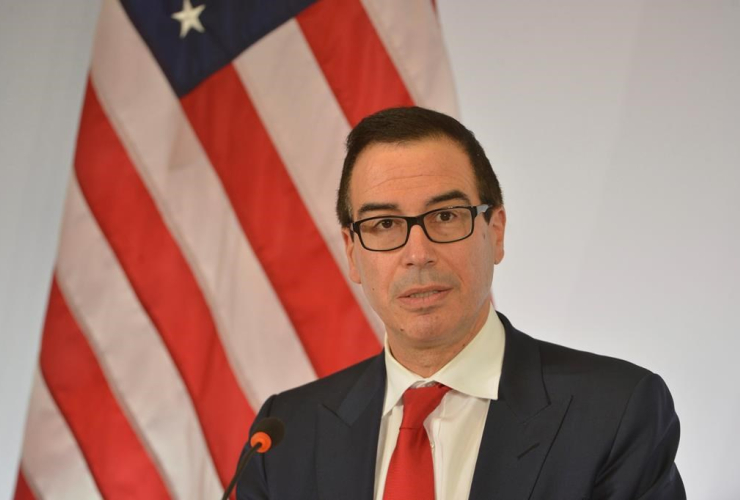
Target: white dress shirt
[[455, 427]]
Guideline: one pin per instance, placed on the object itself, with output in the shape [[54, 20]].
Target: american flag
[[200, 266]]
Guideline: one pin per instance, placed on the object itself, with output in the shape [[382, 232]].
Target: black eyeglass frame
[[418, 220]]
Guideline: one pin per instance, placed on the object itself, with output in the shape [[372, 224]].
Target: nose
[[419, 250]]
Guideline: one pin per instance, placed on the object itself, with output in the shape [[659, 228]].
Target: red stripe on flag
[[353, 58], [22, 490], [163, 282], [115, 456], [330, 324]]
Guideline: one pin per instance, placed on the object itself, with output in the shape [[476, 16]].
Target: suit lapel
[[347, 442], [520, 427]]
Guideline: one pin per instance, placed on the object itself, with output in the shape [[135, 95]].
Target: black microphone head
[[273, 427]]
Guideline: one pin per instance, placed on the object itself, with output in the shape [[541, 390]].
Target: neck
[[426, 360], [424, 363]]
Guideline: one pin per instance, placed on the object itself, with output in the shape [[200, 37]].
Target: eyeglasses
[[444, 225]]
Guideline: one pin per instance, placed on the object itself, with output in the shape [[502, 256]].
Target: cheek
[[480, 263], [372, 273]]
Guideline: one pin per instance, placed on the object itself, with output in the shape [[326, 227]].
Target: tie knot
[[419, 402]]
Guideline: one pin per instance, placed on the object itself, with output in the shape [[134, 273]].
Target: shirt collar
[[475, 371]]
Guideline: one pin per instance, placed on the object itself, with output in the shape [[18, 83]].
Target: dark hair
[[401, 125]]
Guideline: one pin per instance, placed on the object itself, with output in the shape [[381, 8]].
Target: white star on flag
[[189, 18]]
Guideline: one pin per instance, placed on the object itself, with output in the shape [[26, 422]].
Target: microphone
[[267, 433]]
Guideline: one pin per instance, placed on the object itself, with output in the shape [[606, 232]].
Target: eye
[[385, 224], [445, 216]]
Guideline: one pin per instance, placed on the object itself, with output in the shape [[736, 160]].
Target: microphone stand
[[239, 468]]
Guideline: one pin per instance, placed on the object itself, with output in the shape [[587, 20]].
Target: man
[[460, 404]]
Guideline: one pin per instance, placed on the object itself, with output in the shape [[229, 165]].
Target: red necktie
[[411, 471]]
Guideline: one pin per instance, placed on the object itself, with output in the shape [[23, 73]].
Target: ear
[[350, 248], [497, 228]]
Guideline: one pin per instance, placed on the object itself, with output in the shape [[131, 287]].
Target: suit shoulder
[[571, 365], [331, 388], [574, 370]]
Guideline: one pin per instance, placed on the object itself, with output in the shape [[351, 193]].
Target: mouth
[[423, 297]]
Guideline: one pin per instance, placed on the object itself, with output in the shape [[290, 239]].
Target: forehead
[[409, 174]]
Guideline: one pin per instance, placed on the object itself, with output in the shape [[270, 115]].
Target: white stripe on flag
[[131, 354], [52, 462], [307, 127], [411, 34], [263, 349]]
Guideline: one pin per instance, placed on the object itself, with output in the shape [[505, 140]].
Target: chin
[[424, 330]]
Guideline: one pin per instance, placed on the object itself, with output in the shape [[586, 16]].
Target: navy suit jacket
[[567, 425]]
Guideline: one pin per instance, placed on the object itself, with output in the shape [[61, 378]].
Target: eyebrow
[[454, 194], [375, 207]]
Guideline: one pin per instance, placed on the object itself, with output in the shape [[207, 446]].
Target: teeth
[[423, 295]]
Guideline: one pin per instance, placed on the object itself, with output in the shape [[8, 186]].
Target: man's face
[[410, 179]]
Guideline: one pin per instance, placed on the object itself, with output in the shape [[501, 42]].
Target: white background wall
[[44, 57], [614, 127]]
